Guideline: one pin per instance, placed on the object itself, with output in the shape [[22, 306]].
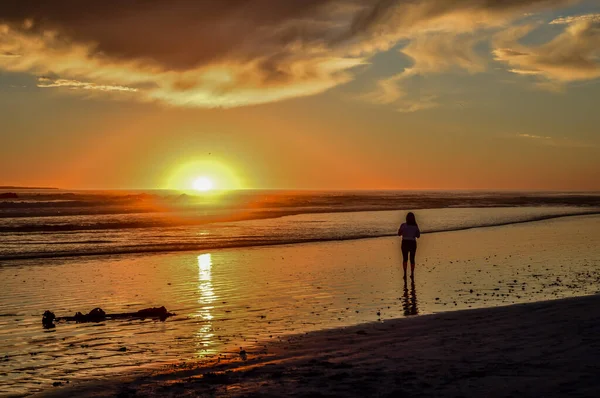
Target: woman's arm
[[418, 234], [400, 230]]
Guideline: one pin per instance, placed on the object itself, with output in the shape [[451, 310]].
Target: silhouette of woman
[[409, 231]]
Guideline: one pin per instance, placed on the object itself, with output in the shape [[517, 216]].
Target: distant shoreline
[[15, 188]]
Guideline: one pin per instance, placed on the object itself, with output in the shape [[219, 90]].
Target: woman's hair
[[410, 219]]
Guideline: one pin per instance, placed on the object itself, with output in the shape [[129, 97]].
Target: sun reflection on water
[[206, 299]]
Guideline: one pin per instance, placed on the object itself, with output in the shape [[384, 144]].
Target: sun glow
[[203, 184], [206, 175]]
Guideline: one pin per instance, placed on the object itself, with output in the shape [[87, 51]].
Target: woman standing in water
[[409, 231]]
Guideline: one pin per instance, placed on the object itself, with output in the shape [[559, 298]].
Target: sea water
[[275, 265]]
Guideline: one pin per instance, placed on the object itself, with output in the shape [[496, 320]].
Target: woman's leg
[[413, 252], [405, 251]]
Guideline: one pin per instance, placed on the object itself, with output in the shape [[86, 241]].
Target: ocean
[[56, 223], [245, 268]]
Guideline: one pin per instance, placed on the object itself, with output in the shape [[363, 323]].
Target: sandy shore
[[540, 349], [250, 297]]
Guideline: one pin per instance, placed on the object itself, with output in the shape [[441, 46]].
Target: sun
[[202, 176], [203, 184]]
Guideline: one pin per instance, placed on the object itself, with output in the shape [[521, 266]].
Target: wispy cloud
[[525, 72], [573, 55], [8, 54], [575, 18], [431, 53], [45, 82], [563, 142], [419, 104], [535, 137], [447, 43]]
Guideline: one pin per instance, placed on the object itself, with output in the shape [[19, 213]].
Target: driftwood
[[98, 315]]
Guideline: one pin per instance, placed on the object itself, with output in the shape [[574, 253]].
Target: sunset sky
[[311, 94]]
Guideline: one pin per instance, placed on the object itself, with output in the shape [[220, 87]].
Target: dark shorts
[[409, 247]]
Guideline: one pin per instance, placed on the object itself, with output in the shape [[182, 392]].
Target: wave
[[258, 241], [117, 222], [76, 227], [513, 222], [73, 242], [269, 203]]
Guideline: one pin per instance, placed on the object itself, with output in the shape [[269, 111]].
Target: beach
[[549, 349], [262, 296], [222, 198]]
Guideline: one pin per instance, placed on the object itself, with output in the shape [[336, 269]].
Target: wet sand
[[250, 297], [548, 349]]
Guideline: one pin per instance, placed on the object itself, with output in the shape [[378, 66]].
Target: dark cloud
[[182, 34], [231, 52], [179, 34]]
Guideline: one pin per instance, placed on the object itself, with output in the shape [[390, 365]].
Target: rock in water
[[97, 314], [48, 319]]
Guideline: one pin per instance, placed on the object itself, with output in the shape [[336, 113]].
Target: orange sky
[[324, 95]]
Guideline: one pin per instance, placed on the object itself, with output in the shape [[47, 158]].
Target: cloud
[[45, 82], [443, 39], [575, 18], [535, 137], [573, 55], [390, 92], [419, 104], [387, 91], [222, 84], [434, 53], [229, 53], [8, 54], [431, 53], [381, 26], [204, 53], [390, 20], [556, 142]]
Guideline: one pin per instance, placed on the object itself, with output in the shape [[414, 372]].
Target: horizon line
[[23, 188]]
